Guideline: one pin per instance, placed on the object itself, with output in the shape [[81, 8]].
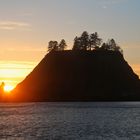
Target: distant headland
[[91, 71]]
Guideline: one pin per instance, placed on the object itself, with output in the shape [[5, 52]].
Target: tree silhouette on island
[[54, 46], [86, 42], [91, 71]]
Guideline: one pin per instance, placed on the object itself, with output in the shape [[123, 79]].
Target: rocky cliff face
[[80, 76]]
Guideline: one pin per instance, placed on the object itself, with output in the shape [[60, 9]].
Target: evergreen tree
[[53, 46], [62, 45], [112, 46], [77, 43], [105, 46], [94, 41], [84, 40]]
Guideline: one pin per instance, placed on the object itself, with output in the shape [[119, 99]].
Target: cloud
[[12, 25], [112, 1], [106, 3], [17, 64]]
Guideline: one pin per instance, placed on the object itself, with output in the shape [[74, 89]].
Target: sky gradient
[[26, 26]]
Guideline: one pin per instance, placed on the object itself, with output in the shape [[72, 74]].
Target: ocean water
[[70, 121]]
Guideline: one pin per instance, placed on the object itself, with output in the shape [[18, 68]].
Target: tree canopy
[[85, 42], [54, 46], [111, 45]]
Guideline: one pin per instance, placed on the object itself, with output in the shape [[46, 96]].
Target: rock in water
[[80, 76]]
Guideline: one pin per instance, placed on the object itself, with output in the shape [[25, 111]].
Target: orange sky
[[13, 72]]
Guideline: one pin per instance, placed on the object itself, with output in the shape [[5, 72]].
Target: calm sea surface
[[70, 121]]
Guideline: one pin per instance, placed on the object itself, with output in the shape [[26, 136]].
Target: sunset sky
[[26, 26]]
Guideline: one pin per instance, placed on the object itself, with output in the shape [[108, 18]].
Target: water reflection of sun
[[8, 88]]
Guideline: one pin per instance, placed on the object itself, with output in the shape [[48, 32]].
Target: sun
[[8, 88]]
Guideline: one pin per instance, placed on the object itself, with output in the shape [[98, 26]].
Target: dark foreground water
[[70, 121]]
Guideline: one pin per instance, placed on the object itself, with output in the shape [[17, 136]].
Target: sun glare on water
[[8, 88]]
